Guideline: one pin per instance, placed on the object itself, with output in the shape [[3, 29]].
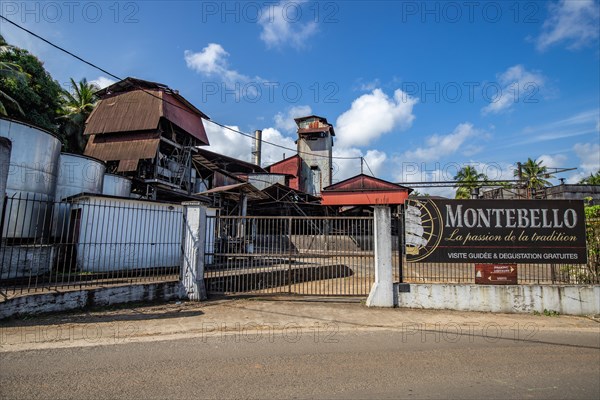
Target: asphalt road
[[315, 363]]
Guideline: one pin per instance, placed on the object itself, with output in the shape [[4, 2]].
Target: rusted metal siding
[[364, 190], [221, 179], [313, 123], [291, 167], [126, 112], [124, 147], [141, 110], [364, 183], [176, 112], [263, 181], [363, 198]]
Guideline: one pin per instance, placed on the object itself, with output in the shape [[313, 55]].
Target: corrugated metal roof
[[365, 183], [178, 113], [141, 110], [235, 190], [214, 160], [125, 112], [130, 83], [127, 147], [322, 122], [127, 165]]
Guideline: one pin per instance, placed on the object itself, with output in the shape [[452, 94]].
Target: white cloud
[[282, 25], [212, 61], [589, 156], [367, 86], [285, 121], [589, 161], [372, 115], [574, 23], [232, 144], [102, 82], [552, 161], [439, 146], [514, 85], [349, 164], [271, 154], [583, 123], [227, 142]]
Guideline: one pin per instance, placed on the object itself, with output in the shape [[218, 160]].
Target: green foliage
[[467, 179], [36, 96], [589, 273], [12, 70], [534, 174], [416, 193], [592, 232], [593, 179], [77, 106]]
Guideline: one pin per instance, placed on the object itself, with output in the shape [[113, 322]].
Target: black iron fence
[[291, 255], [86, 241]]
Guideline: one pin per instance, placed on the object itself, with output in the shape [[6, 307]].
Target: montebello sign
[[496, 231]]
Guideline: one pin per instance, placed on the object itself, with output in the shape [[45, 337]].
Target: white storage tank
[[31, 183], [5, 146], [116, 185], [76, 174]]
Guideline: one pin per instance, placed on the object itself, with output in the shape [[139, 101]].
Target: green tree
[[467, 178], [37, 95], [534, 175], [593, 179], [9, 69], [77, 106], [416, 193]]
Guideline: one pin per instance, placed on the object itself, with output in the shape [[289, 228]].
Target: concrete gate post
[[193, 245], [382, 291]]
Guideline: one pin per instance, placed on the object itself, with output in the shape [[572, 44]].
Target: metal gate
[[292, 255]]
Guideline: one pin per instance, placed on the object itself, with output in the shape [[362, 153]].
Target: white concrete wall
[[78, 299], [565, 299]]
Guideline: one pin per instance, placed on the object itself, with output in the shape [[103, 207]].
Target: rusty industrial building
[[149, 133]]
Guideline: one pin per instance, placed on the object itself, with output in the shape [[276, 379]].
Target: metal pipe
[[256, 152]]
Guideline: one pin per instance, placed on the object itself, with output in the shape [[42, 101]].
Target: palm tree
[[78, 104], [467, 178], [9, 70], [533, 174], [593, 179]]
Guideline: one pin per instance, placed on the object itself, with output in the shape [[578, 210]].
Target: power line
[[367, 164], [153, 95]]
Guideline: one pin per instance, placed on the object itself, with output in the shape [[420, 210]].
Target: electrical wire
[[153, 95]]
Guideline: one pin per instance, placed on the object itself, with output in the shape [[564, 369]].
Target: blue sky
[[419, 89]]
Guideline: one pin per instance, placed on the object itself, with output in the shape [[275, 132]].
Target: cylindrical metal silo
[[5, 149], [76, 174], [116, 185], [31, 183]]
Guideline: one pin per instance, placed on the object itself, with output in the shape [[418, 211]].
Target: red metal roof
[[364, 190], [365, 183]]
